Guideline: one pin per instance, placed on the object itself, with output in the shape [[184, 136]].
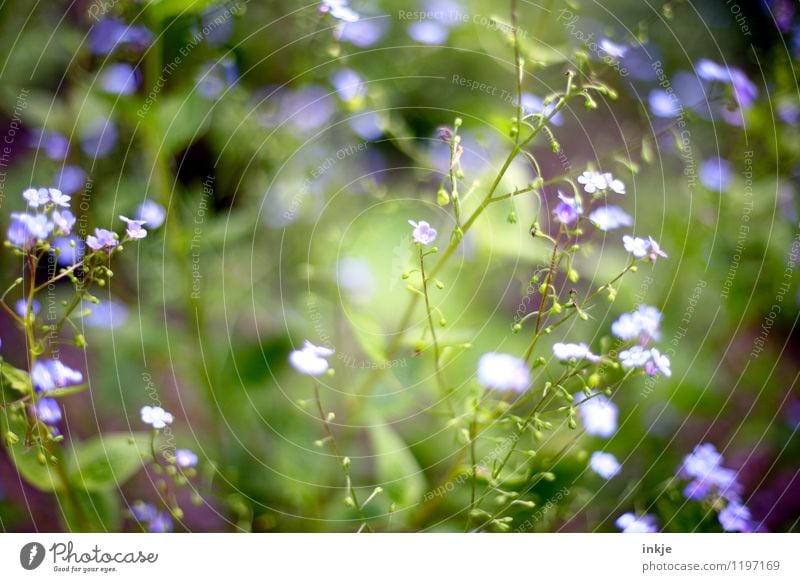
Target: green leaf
[[397, 469], [162, 9], [43, 477], [15, 378], [108, 460], [90, 512], [181, 120]]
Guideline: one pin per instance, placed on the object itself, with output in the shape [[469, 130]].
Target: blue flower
[[349, 84], [736, 517], [63, 220], [151, 213], [663, 104], [142, 511], [70, 179], [423, 233], [102, 239], [643, 324], [161, 523], [364, 32], [565, 352], [134, 230], [704, 467], [119, 79], [568, 210], [99, 138], [49, 375], [533, 104], [48, 411], [604, 464], [109, 314], [55, 145], [21, 307], [110, 33], [716, 174], [215, 77], [185, 458], [70, 249], [428, 32], [36, 197], [339, 10], [632, 523]]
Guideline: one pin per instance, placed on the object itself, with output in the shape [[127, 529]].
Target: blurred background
[[289, 148]]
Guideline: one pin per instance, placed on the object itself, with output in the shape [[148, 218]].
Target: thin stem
[[547, 280], [343, 462], [436, 350]]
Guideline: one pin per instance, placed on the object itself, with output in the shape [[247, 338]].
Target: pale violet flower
[[704, 467], [600, 182], [638, 247], [604, 464], [565, 352], [610, 217], [635, 357], [48, 411], [64, 220], [339, 10], [185, 458], [423, 232], [736, 517], [655, 250], [632, 523], [36, 197], [311, 359], [643, 324], [598, 414], [613, 49], [134, 230], [658, 363], [59, 198], [503, 372], [156, 416], [102, 239], [568, 210], [151, 213], [48, 375], [616, 185]]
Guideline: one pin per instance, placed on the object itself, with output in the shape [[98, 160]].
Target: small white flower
[[604, 464], [643, 324], [598, 413], [423, 233], [635, 357], [636, 246], [613, 49], [134, 230], [614, 184], [311, 359], [592, 182], [58, 198], [156, 416], [580, 351], [658, 363], [503, 372], [655, 250], [36, 197], [610, 217]]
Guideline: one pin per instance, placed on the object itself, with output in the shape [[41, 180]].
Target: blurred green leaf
[[397, 469], [15, 378], [108, 460], [90, 512], [43, 477], [181, 120]]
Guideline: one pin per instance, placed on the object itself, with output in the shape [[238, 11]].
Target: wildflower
[[55, 145], [503, 372], [610, 217], [134, 230], [711, 71], [716, 174], [119, 79], [644, 324], [18, 233], [428, 32], [636, 246], [48, 411], [185, 458], [704, 467], [598, 413], [533, 104], [423, 233], [107, 314], [604, 464], [613, 49], [663, 104], [655, 250], [339, 10], [151, 213], [568, 210], [658, 363], [102, 239], [110, 33], [215, 77], [736, 517], [632, 523], [63, 220], [49, 375], [600, 182], [147, 514], [349, 84], [70, 249], [311, 359], [580, 351], [156, 416], [142, 511], [21, 307], [70, 179], [99, 137], [635, 357], [36, 197], [160, 523]]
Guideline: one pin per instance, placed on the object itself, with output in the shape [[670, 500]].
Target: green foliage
[[107, 461]]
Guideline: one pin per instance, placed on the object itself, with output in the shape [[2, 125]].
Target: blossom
[[655, 250], [635, 357], [428, 32], [423, 233], [600, 182], [503, 372], [568, 210], [49, 375], [736, 517], [339, 10], [638, 247], [119, 79], [63, 220], [142, 511], [711, 71], [48, 411], [632, 523], [109, 314], [644, 324], [151, 213], [109, 33], [311, 359], [99, 137], [216, 77], [704, 467], [55, 145], [598, 413], [102, 239], [185, 458], [658, 363], [134, 230], [580, 351], [70, 179], [156, 521], [663, 104], [533, 104], [156, 416], [70, 249], [36, 197], [349, 84], [21, 307], [613, 49], [160, 523], [610, 217], [604, 464], [716, 174]]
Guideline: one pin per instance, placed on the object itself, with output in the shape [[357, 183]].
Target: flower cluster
[[709, 479], [600, 183], [642, 325]]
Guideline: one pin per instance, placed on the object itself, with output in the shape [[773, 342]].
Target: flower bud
[[594, 380], [10, 438], [439, 284], [460, 174], [458, 122], [572, 274], [512, 217], [443, 322], [442, 198], [346, 462], [516, 328]]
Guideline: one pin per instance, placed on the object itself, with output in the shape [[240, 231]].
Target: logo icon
[[31, 555]]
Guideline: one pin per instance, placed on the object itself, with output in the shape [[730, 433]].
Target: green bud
[[443, 322], [573, 424], [512, 217], [80, 341], [556, 308], [542, 289], [10, 438], [516, 328], [549, 476], [583, 316], [612, 295], [634, 268], [537, 183], [572, 274], [442, 198], [439, 284], [419, 346], [177, 513], [346, 462], [458, 122], [594, 380], [590, 103], [41, 458], [460, 174]]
